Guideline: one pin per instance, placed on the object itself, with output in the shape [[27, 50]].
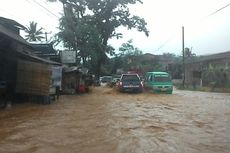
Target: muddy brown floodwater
[[106, 121]]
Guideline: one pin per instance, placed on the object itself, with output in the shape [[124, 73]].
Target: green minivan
[[158, 82]]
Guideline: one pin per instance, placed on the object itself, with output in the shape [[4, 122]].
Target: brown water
[[106, 121]]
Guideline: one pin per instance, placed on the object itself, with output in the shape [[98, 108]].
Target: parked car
[[158, 82], [130, 83], [105, 80], [115, 80]]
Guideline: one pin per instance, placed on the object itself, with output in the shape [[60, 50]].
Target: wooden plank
[[33, 78]]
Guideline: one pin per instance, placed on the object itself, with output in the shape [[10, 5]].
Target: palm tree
[[34, 34]]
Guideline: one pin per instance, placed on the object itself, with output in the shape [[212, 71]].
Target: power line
[[57, 11], [50, 12], [32, 4], [219, 10], [168, 40], [12, 15], [9, 13], [45, 8]]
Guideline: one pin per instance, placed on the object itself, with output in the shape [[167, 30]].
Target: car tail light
[[142, 84]]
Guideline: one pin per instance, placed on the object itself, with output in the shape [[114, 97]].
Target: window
[[130, 78], [162, 78]]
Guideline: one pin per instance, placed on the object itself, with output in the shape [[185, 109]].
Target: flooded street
[[106, 121]]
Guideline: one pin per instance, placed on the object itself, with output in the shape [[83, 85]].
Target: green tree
[[127, 57], [33, 32], [188, 53], [100, 18], [127, 49]]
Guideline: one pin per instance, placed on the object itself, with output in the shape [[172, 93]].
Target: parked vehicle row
[[157, 82]]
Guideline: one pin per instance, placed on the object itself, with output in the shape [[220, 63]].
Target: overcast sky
[[203, 34]]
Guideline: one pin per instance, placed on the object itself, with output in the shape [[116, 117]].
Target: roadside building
[[46, 51], [19, 67], [209, 70], [11, 45], [75, 80]]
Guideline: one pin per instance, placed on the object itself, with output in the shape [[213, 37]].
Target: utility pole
[[46, 33], [183, 57]]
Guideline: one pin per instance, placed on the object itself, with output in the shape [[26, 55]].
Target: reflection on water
[[106, 121]]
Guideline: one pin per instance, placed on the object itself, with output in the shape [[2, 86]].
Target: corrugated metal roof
[[37, 59], [7, 21], [76, 69], [43, 48], [12, 35], [18, 38]]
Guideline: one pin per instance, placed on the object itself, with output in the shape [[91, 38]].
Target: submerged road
[[106, 121]]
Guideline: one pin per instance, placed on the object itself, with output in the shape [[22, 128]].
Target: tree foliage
[[127, 58], [33, 32], [127, 49], [87, 25]]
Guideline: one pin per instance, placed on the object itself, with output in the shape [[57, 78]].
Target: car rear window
[[162, 78], [106, 79], [130, 78]]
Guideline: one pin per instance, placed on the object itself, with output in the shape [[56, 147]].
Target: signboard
[[68, 57]]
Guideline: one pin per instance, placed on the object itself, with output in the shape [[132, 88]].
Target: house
[[46, 51], [11, 45], [11, 25], [18, 64], [208, 70]]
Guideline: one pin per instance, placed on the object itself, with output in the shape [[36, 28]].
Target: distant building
[[149, 62]]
